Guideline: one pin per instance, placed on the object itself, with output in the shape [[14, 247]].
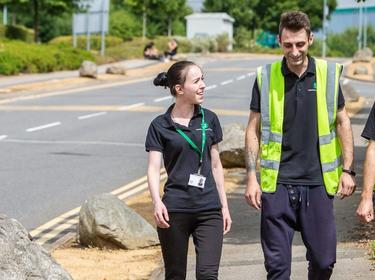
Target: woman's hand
[[227, 220], [161, 215]]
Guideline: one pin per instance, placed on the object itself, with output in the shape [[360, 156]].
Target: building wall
[[344, 18], [208, 27]]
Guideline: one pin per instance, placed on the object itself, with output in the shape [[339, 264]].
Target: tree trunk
[[169, 26], [36, 20], [144, 28], [14, 18]]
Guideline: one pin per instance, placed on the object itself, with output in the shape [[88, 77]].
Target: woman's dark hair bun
[[161, 80]]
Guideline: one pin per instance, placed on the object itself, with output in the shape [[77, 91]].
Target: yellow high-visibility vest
[[272, 89]]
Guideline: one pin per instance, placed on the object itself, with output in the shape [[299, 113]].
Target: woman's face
[[193, 88]]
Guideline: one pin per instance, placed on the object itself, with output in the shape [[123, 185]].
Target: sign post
[[95, 20]]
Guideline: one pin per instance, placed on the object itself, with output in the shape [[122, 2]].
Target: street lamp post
[[325, 13], [362, 26]]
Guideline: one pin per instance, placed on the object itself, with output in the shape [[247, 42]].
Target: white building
[[346, 15], [209, 24]]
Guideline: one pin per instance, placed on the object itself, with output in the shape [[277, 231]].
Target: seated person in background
[[172, 49], [151, 52]]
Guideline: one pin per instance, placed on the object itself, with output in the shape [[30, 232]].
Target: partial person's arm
[[345, 134], [217, 172], [153, 176], [365, 209], [253, 191]]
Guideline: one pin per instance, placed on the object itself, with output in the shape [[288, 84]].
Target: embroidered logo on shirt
[[314, 87]]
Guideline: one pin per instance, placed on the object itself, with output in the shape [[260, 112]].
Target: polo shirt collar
[[310, 67], [167, 118]]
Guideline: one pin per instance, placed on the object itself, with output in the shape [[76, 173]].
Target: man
[[365, 209], [298, 119]]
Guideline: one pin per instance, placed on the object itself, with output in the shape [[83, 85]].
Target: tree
[[269, 12], [241, 10], [163, 14], [40, 8], [265, 14]]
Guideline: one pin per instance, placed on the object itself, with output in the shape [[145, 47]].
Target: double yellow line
[[55, 232]]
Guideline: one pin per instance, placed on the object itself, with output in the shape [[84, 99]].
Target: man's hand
[[253, 194], [346, 186], [365, 210]]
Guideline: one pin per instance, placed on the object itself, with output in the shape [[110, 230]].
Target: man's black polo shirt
[[369, 130], [180, 160], [300, 163]]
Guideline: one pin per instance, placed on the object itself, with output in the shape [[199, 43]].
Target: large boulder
[[349, 92], [360, 70], [88, 69], [107, 222], [232, 148], [20, 258], [363, 55], [116, 70]]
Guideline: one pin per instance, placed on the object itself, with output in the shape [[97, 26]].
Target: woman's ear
[[179, 90]]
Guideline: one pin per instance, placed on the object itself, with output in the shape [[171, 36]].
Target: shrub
[[19, 32], [18, 57], [124, 24], [95, 41], [222, 42]]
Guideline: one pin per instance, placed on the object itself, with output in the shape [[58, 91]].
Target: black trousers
[[307, 209], [207, 231]]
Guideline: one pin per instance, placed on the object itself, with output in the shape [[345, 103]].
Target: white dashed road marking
[[241, 77], [226, 82], [43, 126], [91, 115], [2, 137], [211, 87], [131, 106], [162, 99]]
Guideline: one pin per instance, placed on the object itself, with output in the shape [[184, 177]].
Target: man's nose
[[295, 50]]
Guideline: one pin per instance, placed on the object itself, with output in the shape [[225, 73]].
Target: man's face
[[295, 45]]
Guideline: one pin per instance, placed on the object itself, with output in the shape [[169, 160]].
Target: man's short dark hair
[[294, 21]]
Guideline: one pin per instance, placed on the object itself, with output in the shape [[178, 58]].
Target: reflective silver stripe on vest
[[326, 139], [330, 90], [271, 164], [275, 137], [330, 166], [264, 103]]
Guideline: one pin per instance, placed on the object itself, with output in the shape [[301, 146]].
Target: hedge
[[18, 57], [95, 41], [17, 32]]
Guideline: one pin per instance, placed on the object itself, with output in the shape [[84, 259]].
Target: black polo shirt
[[369, 130], [300, 163], [181, 160]]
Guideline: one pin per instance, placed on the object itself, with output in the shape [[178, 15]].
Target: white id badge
[[197, 180]]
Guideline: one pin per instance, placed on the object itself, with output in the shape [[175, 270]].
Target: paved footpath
[[242, 256], [7, 81]]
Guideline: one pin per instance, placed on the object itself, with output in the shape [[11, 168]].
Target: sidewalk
[[7, 81], [242, 256]]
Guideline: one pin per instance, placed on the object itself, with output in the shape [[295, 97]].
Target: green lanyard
[[192, 144]]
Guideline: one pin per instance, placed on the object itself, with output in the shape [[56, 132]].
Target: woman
[[194, 201]]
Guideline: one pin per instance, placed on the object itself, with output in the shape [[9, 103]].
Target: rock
[[88, 69], [116, 70], [360, 70], [350, 94], [20, 258], [107, 222], [363, 55], [232, 148]]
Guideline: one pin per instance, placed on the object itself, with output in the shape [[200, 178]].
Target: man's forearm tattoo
[[251, 161]]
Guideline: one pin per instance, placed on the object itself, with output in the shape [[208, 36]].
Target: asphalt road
[[59, 150]]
